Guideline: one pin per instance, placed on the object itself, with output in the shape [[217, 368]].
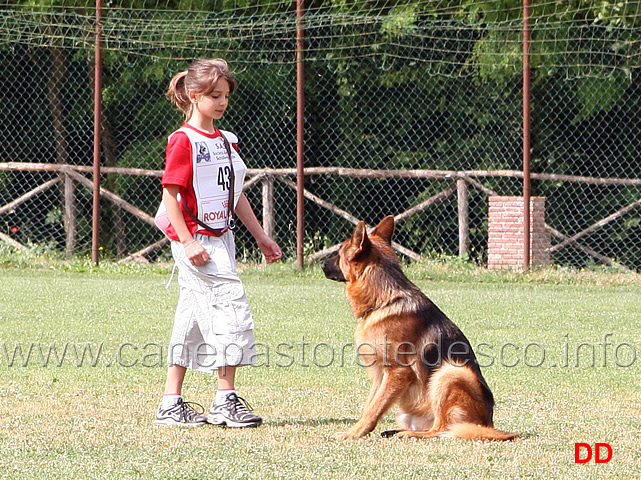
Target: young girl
[[213, 327]]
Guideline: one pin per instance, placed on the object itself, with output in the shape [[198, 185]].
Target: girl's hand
[[196, 254], [270, 249]]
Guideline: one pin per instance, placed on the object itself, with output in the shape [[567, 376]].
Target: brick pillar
[[505, 233]]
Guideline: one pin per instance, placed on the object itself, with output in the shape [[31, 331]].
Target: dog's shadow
[[318, 422]]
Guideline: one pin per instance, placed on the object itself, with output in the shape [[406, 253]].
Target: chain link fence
[[400, 102]]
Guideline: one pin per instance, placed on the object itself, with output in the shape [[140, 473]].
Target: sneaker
[[181, 414], [235, 412]]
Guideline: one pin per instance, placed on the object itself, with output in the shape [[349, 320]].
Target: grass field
[[560, 352]]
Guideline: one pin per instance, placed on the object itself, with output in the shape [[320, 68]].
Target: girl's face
[[213, 105]]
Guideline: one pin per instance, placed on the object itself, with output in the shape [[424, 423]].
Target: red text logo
[[583, 452]]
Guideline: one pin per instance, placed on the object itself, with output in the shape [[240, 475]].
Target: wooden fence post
[[268, 205], [71, 229], [463, 217]]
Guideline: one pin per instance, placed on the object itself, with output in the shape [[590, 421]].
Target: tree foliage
[[389, 84]]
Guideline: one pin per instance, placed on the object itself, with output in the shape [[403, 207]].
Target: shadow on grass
[[310, 422], [317, 422]]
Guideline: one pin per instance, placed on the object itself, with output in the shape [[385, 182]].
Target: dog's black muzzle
[[332, 270]]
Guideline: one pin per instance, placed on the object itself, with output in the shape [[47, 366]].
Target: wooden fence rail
[[461, 182]]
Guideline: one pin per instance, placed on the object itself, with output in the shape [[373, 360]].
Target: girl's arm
[[193, 249], [268, 247]]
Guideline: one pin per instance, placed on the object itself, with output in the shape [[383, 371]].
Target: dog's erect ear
[[385, 229], [360, 240]]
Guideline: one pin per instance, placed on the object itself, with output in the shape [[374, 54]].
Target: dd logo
[[586, 456]]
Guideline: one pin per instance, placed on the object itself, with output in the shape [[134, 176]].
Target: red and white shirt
[[198, 163]]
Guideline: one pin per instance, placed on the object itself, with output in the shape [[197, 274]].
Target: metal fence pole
[[300, 134], [526, 134], [95, 238]]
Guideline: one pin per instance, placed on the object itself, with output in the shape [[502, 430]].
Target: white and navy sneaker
[[235, 412], [181, 414]]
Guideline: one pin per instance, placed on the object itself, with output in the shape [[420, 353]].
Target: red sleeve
[[178, 171], [178, 161]]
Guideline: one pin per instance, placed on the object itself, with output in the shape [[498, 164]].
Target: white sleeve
[[231, 138]]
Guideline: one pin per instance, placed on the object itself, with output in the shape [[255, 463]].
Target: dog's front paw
[[343, 436], [349, 435]]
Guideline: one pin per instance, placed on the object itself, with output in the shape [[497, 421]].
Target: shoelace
[[187, 411], [239, 404]]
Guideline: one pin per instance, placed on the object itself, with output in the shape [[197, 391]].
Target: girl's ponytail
[[177, 93]]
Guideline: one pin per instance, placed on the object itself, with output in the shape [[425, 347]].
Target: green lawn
[[63, 415]]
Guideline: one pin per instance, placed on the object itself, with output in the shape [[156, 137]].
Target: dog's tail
[[470, 431]]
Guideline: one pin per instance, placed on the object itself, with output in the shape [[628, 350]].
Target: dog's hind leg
[[442, 419], [394, 381], [455, 397], [407, 421]]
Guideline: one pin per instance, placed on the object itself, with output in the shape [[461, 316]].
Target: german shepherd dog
[[416, 356]]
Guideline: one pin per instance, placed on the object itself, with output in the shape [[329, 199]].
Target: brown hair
[[201, 78]]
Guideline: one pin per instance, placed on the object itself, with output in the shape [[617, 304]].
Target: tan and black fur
[[416, 357]]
